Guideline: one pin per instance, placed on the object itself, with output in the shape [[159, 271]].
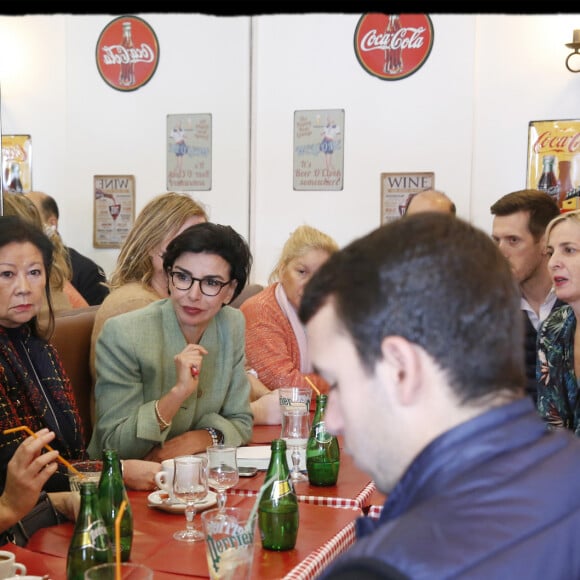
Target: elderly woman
[[558, 367], [34, 388], [171, 376], [275, 338]]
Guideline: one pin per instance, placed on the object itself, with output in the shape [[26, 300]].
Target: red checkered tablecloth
[[315, 563]]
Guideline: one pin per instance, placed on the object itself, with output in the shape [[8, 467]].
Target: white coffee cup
[[164, 478], [8, 566]]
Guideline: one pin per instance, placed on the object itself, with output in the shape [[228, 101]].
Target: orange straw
[[312, 385], [118, 539], [31, 432]]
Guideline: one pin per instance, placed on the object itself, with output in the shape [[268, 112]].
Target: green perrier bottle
[[111, 494], [278, 508], [90, 544], [322, 450]]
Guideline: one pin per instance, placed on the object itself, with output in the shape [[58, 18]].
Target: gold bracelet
[[162, 422]]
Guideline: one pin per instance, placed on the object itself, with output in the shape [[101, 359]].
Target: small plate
[[160, 500]]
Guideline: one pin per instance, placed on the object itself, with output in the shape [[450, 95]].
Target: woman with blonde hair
[[275, 338], [139, 278], [558, 367]]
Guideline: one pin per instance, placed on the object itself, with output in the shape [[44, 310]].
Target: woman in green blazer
[[171, 376]]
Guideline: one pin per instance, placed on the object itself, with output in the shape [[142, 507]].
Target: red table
[[353, 488], [323, 534]]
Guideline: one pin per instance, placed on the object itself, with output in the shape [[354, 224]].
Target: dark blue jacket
[[496, 497]]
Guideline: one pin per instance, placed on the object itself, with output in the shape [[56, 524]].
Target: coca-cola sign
[[127, 53], [393, 46]]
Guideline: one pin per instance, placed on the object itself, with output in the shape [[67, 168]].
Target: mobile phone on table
[[247, 471]]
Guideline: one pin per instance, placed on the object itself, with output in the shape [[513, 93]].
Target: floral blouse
[[558, 396]]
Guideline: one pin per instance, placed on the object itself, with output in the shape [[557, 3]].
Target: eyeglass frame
[[221, 285]]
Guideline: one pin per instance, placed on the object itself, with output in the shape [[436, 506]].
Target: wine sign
[[127, 53], [393, 46], [114, 209]]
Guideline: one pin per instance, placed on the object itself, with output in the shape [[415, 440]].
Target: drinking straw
[[312, 385], [47, 446], [118, 539]]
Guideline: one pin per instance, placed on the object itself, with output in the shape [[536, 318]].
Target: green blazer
[[134, 366]]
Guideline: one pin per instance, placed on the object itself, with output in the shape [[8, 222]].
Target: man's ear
[[403, 359]]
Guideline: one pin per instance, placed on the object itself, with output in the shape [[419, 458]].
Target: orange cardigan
[[271, 346]]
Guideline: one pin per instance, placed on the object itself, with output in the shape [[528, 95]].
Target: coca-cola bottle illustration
[[393, 56], [548, 181], [127, 73]]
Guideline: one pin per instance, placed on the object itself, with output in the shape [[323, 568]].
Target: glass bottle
[[111, 494], [127, 72], [278, 507], [548, 181], [393, 51], [322, 449], [565, 179], [90, 544]]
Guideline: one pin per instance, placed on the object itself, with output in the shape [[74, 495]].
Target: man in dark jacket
[[519, 225], [417, 326], [87, 276]]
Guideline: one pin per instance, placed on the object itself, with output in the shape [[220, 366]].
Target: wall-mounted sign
[[397, 190], [319, 149], [114, 209], [554, 160], [127, 53], [189, 152], [17, 163], [393, 46]]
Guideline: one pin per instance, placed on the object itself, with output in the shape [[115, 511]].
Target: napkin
[[259, 456]]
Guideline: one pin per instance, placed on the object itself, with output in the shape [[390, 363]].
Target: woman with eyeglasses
[[171, 376]]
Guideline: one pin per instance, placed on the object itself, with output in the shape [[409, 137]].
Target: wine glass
[[223, 471], [190, 486], [295, 431]]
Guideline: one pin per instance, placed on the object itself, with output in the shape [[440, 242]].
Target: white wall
[[463, 115]]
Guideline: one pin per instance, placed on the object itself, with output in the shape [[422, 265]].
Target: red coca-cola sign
[[127, 53], [393, 46]]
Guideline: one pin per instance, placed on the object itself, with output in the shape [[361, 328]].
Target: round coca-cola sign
[[127, 53], [393, 46]]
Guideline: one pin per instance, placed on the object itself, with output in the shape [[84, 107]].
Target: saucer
[[159, 500]]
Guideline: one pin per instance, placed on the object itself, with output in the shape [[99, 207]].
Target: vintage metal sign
[[127, 53], [393, 46]]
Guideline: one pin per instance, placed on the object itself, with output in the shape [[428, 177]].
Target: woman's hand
[[139, 474], [28, 470], [188, 366]]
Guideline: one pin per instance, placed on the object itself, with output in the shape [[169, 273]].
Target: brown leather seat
[[72, 340], [248, 291]]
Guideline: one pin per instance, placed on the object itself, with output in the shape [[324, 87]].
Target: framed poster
[[319, 149], [17, 163], [114, 209], [554, 160], [397, 189], [189, 152]]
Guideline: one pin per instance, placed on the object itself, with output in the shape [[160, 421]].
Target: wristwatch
[[217, 437]]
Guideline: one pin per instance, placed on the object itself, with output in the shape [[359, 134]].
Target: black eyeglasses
[[208, 286]]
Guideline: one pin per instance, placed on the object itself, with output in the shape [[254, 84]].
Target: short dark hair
[[440, 283], [14, 229], [49, 207], [210, 238], [541, 207]]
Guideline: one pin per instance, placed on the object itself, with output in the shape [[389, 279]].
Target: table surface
[[324, 531], [153, 543]]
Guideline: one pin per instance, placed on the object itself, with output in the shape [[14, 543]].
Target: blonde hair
[[302, 240], [569, 215], [164, 215], [20, 205]]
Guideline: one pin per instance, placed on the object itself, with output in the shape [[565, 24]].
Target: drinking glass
[[190, 486], [223, 471], [295, 431]]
